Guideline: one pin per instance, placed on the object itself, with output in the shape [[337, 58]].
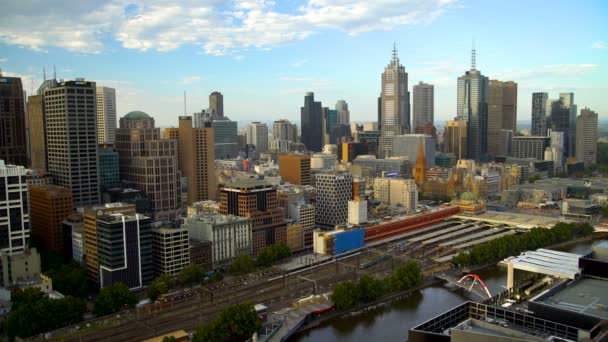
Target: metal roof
[[550, 262]]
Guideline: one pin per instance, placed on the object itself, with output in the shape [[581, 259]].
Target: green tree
[[160, 285], [27, 296], [114, 298], [345, 295], [407, 276], [605, 211], [369, 288], [242, 264], [235, 323], [70, 278], [462, 259], [169, 339], [191, 274]]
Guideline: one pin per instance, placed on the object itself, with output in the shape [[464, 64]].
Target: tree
[[345, 295], [235, 323], [70, 278], [462, 259], [169, 339], [533, 179], [161, 285], [114, 298], [273, 253], [605, 211], [407, 276], [242, 264], [369, 288], [191, 274], [27, 296]]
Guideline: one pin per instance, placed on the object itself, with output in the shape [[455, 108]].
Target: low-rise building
[[170, 253]]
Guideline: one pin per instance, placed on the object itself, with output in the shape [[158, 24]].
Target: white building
[[323, 161], [357, 212], [257, 134], [170, 252], [397, 192], [78, 245], [14, 214], [106, 115]]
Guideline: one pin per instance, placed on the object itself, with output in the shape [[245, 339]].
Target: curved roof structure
[[136, 115]]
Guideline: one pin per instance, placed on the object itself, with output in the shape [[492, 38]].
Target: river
[[392, 322]]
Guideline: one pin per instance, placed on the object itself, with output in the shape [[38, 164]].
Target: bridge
[[470, 282]]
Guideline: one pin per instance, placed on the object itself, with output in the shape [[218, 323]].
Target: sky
[[265, 55]]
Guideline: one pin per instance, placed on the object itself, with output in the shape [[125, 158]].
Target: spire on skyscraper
[[395, 57], [473, 56]]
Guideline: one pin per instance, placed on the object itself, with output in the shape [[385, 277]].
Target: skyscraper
[[50, 205], [586, 137], [472, 107], [334, 190], [539, 113], [35, 115], [216, 103], [150, 163], [455, 138], [71, 139], [394, 105], [14, 214], [343, 112], [563, 119], [13, 143], [424, 104], [106, 115], [196, 160], [224, 133], [502, 111], [257, 134], [311, 119]]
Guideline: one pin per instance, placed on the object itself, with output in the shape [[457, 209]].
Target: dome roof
[[137, 115], [468, 196]]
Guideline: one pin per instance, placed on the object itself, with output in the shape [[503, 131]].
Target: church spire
[[420, 168]]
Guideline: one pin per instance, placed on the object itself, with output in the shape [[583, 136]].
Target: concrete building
[[71, 139], [397, 192], [357, 212], [224, 133], [407, 146], [50, 206], [255, 199], [37, 132], [14, 213], [373, 167], [78, 245], [106, 115], [201, 253], [304, 215], [455, 138], [170, 250], [150, 163], [109, 170], [502, 112], [472, 107], [506, 142], [90, 216], [19, 267], [257, 134], [311, 119], [323, 161], [124, 248], [196, 160], [295, 168], [13, 138], [586, 137], [343, 112], [540, 112], [563, 119], [284, 130], [216, 103], [334, 190], [394, 106], [424, 105], [529, 146], [230, 236]]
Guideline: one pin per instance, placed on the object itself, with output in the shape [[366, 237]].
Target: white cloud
[[218, 27], [189, 80], [600, 44], [3, 60], [547, 72]]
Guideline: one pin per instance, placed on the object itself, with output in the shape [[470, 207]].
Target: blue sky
[[264, 55]]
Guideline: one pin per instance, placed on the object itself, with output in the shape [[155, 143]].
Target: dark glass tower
[[312, 123]]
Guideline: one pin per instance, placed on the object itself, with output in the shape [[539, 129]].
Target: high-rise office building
[[106, 115], [394, 105], [196, 160], [455, 138], [343, 112], [586, 137], [406, 145], [424, 104], [255, 199], [502, 112], [71, 139], [530, 146], [50, 205], [563, 119], [14, 213], [35, 115], [295, 168], [540, 113], [124, 248], [224, 133], [506, 142], [109, 170], [257, 134], [216, 103], [330, 122], [13, 142], [472, 107], [311, 119], [149, 162], [170, 252], [284, 130], [334, 190]]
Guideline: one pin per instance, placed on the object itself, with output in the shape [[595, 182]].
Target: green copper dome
[[136, 115], [468, 196]]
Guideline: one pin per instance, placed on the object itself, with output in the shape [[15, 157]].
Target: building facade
[[13, 138], [311, 119], [257, 134], [170, 250], [334, 190], [397, 192], [216, 103], [563, 119], [424, 105], [586, 137], [14, 211], [502, 112], [106, 115], [295, 168], [71, 140], [343, 112], [455, 138], [109, 170], [50, 206], [539, 113], [37, 135], [407, 146]]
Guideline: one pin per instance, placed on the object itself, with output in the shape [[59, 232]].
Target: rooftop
[[134, 115], [519, 220], [587, 296]]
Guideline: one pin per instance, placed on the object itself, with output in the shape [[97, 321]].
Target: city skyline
[[263, 68]]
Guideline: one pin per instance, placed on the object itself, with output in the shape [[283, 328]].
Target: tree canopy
[[191, 274], [114, 298], [70, 279], [242, 264], [234, 323], [273, 253], [160, 285]]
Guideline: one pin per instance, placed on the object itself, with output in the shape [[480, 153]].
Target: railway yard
[[432, 246]]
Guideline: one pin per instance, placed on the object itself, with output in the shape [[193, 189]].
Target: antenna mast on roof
[[185, 103], [473, 56], [44, 73], [54, 72]]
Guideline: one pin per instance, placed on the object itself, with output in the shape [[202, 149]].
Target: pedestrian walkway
[[294, 318]]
